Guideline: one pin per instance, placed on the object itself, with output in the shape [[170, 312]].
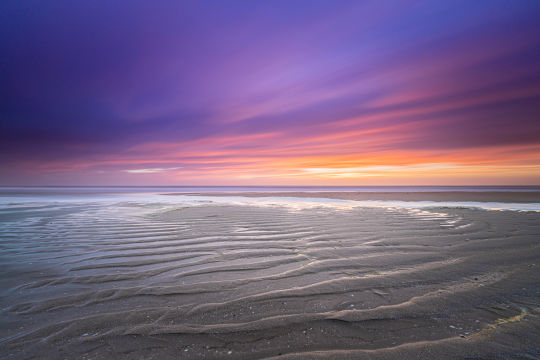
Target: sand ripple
[[134, 280]]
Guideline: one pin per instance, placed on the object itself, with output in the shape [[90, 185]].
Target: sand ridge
[[134, 281]]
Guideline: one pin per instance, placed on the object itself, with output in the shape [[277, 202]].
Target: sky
[[288, 92]]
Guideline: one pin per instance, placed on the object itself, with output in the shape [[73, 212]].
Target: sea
[[196, 195]]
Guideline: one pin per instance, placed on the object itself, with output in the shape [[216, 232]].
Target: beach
[[271, 275], [439, 196], [270, 180]]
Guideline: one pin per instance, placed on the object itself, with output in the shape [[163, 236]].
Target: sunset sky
[[269, 92]]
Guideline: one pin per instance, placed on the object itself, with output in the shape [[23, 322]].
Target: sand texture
[[216, 281]]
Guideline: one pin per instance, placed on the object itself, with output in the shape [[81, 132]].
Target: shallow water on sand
[[147, 275]]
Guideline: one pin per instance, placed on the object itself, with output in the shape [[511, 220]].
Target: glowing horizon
[[247, 93]]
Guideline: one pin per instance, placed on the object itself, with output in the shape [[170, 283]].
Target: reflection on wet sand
[[252, 281]]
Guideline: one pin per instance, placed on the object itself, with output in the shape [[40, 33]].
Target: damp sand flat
[[140, 280], [503, 196]]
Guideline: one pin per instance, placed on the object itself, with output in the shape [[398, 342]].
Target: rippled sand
[[149, 280]]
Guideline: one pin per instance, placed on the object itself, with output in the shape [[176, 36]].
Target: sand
[[216, 281], [473, 196]]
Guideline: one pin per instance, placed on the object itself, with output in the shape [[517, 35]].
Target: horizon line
[[260, 186]]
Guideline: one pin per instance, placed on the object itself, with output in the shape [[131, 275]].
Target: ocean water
[[175, 196]]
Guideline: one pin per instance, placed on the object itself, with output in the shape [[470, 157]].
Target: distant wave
[[281, 201]]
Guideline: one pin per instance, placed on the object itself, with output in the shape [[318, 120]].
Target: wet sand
[[474, 196], [217, 281]]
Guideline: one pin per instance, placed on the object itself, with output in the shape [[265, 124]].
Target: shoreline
[[442, 196]]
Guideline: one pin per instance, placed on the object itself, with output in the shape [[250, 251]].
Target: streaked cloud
[[151, 170], [281, 92]]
